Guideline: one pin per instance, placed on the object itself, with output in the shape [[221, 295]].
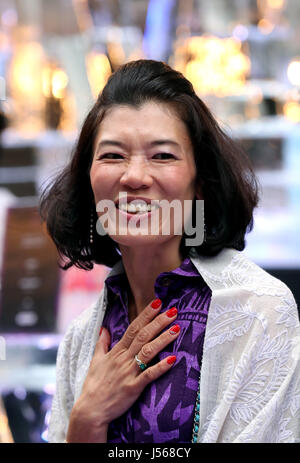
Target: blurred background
[[243, 58]]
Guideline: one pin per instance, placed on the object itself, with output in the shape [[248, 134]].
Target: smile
[[137, 208]]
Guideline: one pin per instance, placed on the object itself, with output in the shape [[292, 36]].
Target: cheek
[[101, 179], [181, 183]]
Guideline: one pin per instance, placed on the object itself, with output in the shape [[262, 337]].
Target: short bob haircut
[[228, 183]]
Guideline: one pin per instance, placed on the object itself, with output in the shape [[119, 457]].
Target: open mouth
[[137, 209]]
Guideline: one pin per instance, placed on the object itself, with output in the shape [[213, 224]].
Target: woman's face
[[146, 153]]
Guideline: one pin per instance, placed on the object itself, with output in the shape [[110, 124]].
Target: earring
[[92, 228]]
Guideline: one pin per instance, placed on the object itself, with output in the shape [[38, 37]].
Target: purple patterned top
[[164, 411]]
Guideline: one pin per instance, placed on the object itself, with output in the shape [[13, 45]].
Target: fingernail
[[172, 312], [174, 329], [156, 304], [100, 330], [171, 359]]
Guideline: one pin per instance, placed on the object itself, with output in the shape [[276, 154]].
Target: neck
[[142, 265]]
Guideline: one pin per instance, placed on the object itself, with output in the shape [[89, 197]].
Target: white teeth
[[137, 208], [132, 208]]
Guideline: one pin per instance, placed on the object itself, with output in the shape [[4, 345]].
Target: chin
[[140, 240]]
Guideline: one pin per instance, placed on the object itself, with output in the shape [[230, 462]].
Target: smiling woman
[[224, 176], [138, 165], [228, 370]]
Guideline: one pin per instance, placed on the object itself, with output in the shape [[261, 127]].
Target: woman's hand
[[114, 380]]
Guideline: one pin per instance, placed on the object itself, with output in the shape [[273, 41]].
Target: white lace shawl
[[250, 376]]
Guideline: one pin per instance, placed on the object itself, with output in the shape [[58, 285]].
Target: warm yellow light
[[276, 4], [59, 83], [217, 66], [98, 70], [291, 110], [54, 82], [265, 26], [46, 81], [24, 85], [293, 72], [238, 64], [195, 45], [232, 45], [25, 72], [215, 47]]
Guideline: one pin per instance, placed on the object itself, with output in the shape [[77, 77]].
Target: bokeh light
[[293, 72], [216, 66], [98, 69]]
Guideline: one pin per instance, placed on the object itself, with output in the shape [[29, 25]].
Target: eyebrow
[[123, 145]]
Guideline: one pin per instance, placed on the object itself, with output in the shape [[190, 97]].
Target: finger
[[151, 349], [103, 343], [151, 330], [155, 371], [150, 312]]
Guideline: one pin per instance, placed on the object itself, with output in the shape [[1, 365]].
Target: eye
[[165, 154], [108, 154]]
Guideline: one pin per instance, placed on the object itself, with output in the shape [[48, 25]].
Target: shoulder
[[233, 269], [233, 276], [244, 274]]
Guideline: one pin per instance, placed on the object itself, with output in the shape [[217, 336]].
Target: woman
[[168, 311]]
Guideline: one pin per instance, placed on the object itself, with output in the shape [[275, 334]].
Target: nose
[[136, 175]]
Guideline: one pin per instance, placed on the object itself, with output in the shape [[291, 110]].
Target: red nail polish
[[171, 360], [156, 304], [100, 330], [174, 329], [172, 312]]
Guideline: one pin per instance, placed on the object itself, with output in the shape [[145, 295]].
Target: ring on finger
[[141, 365]]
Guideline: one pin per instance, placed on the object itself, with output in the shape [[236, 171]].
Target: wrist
[[83, 429]]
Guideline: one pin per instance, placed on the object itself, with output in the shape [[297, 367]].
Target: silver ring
[[141, 365]]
